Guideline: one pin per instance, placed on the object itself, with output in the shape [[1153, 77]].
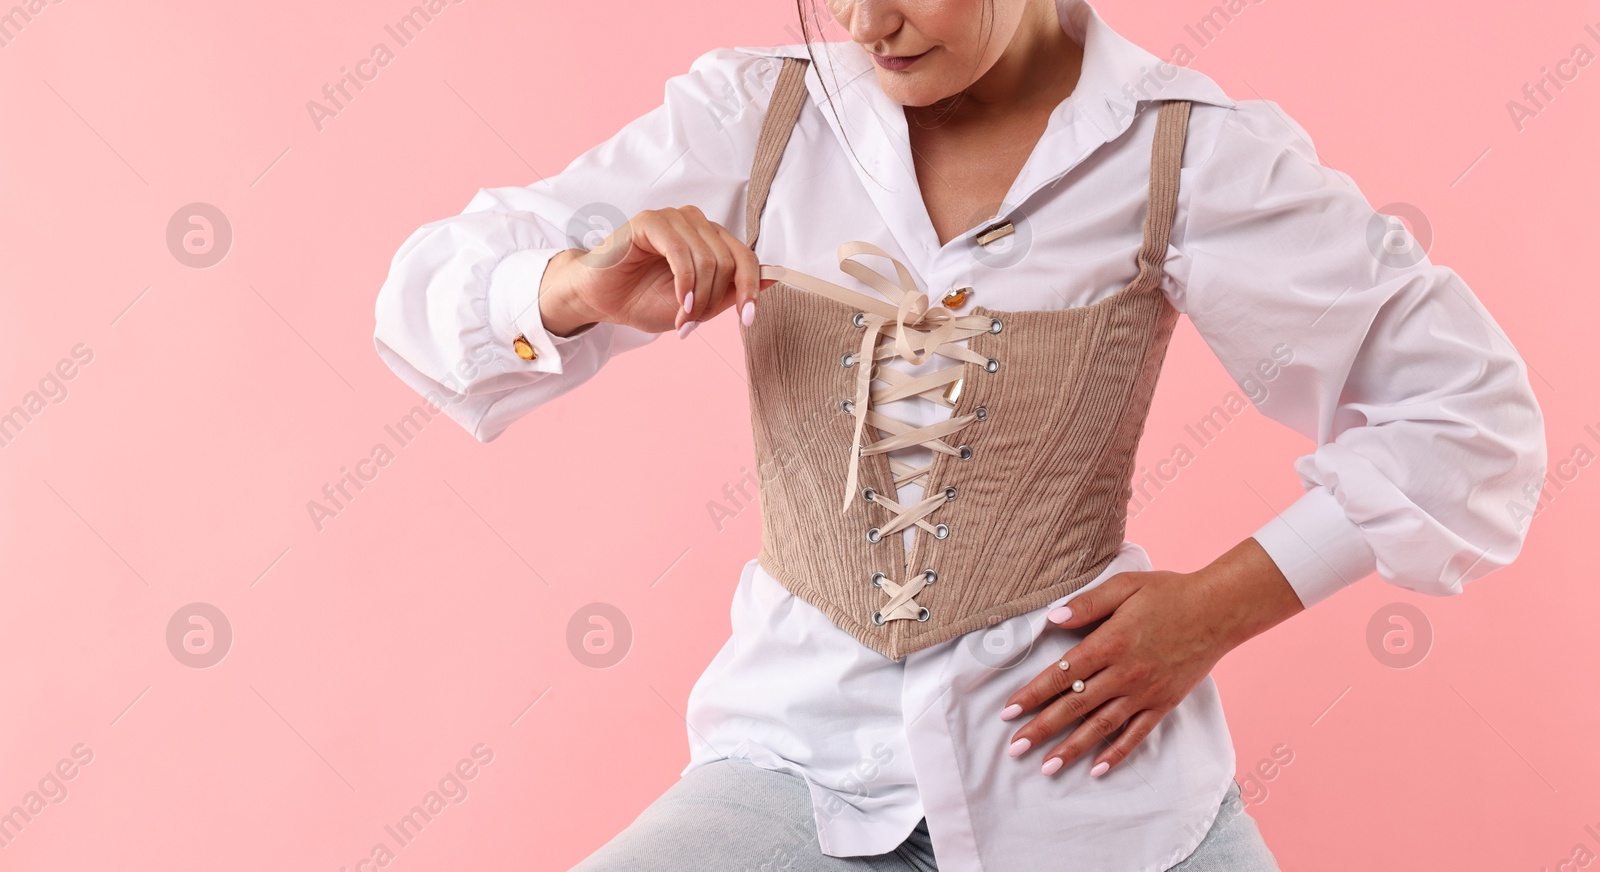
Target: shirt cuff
[[1317, 547], [514, 308]]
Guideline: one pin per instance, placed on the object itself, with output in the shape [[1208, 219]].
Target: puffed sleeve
[[462, 288], [1337, 325]]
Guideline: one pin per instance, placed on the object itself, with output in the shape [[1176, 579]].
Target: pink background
[[431, 614]]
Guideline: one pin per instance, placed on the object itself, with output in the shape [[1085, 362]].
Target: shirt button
[[956, 298], [995, 232], [525, 349]]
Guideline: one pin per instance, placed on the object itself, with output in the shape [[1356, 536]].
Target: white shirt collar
[[1101, 107], [1108, 89]]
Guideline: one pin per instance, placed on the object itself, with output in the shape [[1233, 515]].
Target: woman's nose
[[869, 21]]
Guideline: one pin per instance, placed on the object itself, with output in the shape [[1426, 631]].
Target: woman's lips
[[896, 63]]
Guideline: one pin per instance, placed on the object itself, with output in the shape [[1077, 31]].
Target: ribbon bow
[[920, 329]]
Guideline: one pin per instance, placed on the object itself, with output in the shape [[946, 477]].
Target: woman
[[1026, 201]]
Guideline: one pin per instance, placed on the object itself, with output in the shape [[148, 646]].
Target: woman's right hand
[[642, 274]]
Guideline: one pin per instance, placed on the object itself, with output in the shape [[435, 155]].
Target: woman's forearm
[[1248, 592]]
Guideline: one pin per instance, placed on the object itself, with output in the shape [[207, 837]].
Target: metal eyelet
[[930, 575], [877, 619], [994, 325], [982, 412], [941, 531], [849, 359], [950, 492], [868, 494], [860, 319], [874, 536], [923, 614], [990, 366], [966, 452], [847, 406], [877, 580]]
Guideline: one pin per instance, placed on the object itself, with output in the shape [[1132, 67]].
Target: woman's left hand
[[1162, 634]]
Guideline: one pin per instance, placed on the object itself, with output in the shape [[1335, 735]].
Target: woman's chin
[[919, 91]]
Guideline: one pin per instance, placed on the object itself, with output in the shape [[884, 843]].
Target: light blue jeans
[[734, 816]]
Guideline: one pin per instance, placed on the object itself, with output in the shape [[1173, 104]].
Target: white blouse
[[1426, 429]]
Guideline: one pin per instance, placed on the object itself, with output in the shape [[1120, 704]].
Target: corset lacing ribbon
[[920, 329]]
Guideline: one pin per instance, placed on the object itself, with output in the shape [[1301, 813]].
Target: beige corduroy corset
[[1026, 497]]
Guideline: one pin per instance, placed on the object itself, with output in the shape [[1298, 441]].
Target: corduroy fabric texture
[[1042, 501]]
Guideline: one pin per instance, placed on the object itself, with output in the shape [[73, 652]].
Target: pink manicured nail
[[688, 302], [687, 328], [1052, 766], [1019, 747], [1099, 769], [1057, 615], [748, 313], [1010, 712]]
